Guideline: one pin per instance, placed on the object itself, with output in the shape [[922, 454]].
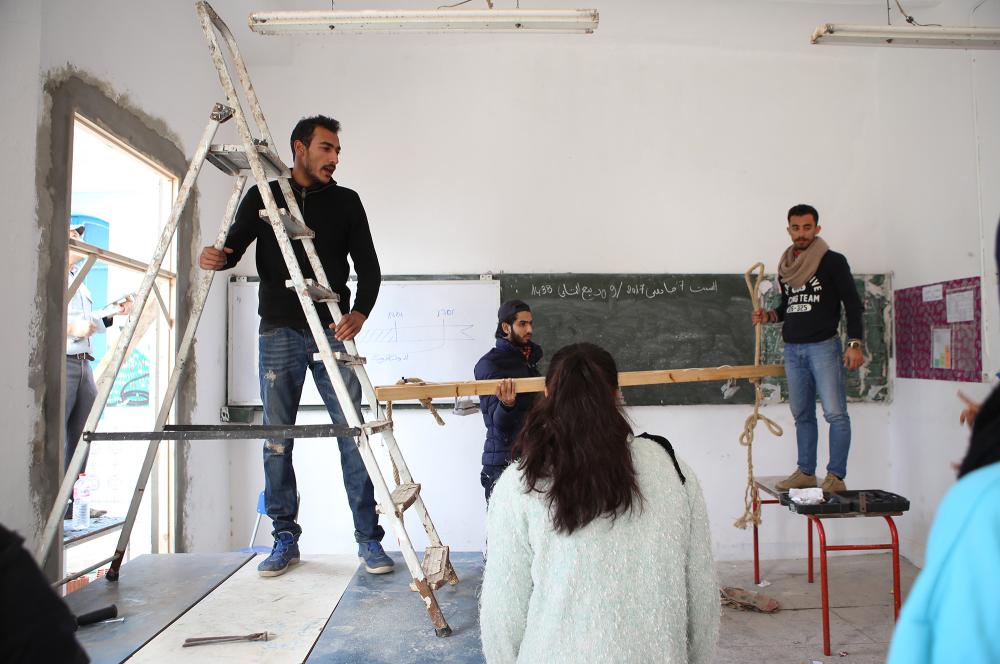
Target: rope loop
[[751, 499]]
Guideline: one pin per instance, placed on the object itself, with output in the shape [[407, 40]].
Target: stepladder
[[254, 156]]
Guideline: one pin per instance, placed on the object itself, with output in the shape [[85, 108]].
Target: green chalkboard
[[675, 321]]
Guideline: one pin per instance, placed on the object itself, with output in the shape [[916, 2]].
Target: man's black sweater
[[812, 313], [341, 226]]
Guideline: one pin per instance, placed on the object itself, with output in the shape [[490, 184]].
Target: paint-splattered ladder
[[289, 226]]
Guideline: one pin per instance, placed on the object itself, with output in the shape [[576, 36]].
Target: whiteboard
[[433, 330]]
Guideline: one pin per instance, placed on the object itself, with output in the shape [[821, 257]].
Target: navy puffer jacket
[[502, 423]]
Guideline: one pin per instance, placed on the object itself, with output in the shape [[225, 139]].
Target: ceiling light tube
[[913, 36], [582, 21]]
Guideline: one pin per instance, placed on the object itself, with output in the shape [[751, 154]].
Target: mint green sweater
[[641, 588]]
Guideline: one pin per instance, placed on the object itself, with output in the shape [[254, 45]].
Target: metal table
[[766, 485]]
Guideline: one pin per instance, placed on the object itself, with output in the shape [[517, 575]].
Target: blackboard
[[676, 321]]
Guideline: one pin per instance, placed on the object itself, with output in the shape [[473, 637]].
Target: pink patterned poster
[[939, 331]]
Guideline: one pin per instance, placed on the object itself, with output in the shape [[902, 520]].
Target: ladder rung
[[375, 426], [435, 566], [402, 497], [346, 359], [232, 159], [295, 229], [316, 291]]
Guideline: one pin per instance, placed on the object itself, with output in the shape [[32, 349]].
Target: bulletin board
[[939, 331]]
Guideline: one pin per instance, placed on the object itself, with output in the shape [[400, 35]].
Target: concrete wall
[[20, 51], [672, 140]]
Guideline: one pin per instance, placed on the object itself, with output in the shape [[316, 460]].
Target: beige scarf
[[797, 270]]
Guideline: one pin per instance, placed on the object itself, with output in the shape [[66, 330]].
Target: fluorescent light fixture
[[914, 36], [583, 21]]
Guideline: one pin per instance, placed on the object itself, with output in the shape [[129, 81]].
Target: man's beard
[[518, 340]]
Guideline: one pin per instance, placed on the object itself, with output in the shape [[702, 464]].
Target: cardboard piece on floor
[[292, 608], [150, 593]]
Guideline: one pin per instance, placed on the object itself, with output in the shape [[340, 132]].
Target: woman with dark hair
[[599, 541]]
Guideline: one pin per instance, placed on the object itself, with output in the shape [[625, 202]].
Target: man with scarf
[[514, 356], [814, 282]]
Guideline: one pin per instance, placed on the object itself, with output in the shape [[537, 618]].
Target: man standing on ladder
[[814, 282], [286, 345], [514, 356]]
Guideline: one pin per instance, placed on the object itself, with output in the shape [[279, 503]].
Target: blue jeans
[[285, 354], [812, 368]]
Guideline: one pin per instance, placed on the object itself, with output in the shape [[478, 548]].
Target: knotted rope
[[426, 402], [751, 501]]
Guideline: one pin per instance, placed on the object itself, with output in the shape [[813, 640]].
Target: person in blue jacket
[[514, 356]]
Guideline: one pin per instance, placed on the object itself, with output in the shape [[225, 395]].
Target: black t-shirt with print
[[812, 313]]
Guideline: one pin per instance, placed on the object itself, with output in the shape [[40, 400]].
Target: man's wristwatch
[[854, 343]]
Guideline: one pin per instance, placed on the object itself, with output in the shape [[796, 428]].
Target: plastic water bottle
[[81, 502]]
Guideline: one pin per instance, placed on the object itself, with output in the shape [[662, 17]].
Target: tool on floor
[[97, 616], [205, 640]]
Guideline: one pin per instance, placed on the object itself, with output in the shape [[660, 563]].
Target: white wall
[[941, 140], [625, 151], [672, 140]]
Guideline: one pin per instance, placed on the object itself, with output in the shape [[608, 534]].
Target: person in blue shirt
[[515, 355]]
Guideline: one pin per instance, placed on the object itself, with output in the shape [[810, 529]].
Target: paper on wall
[[960, 306]]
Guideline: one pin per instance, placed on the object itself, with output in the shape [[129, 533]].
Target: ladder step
[[232, 159], [436, 565], [346, 359], [402, 497], [316, 291], [296, 229], [375, 426]]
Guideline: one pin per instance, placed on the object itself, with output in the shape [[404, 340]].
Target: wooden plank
[[293, 608], [625, 379], [152, 591]]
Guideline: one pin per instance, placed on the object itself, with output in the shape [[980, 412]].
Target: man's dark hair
[[574, 445], [508, 314], [306, 126], [803, 209]]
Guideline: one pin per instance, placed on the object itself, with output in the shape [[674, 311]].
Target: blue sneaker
[[284, 553], [374, 558]]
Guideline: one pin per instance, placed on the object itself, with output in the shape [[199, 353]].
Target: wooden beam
[[471, 388]]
